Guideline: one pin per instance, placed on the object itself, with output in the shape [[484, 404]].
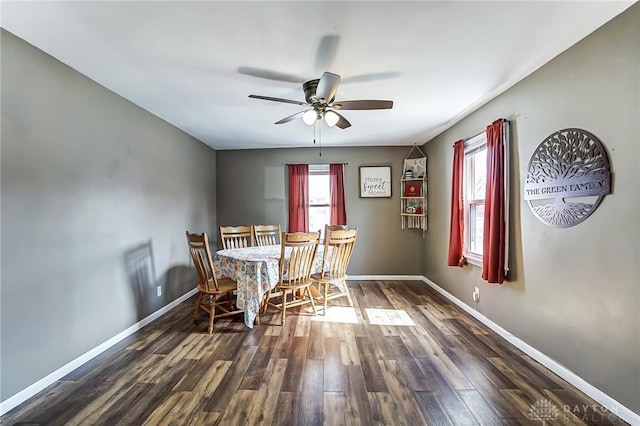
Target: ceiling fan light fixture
[[309, 117], [331, 118]]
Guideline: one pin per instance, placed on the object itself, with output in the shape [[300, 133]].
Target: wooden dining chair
[[266, 235], [297, 254], [328, 228], [210, 287], [236, 236], [338, 248]]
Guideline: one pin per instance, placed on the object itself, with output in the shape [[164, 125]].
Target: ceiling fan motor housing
[[310, 89]]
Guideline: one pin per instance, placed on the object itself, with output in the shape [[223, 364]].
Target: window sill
[[473, 259]]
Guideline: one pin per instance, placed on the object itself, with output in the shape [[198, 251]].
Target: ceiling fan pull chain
[[314, 132], [320, 138]]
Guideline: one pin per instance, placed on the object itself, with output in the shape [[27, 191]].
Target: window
[[319, 197], [475, 179]]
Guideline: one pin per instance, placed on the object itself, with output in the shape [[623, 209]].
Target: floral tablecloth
[[256, 270]]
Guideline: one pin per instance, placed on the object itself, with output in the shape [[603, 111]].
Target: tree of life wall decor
[[567, 178]]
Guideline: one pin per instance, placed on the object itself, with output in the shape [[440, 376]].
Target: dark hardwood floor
[[403, 356]]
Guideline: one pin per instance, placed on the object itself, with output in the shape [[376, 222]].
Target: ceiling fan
[[320, 98]]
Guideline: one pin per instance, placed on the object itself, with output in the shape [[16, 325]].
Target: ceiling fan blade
[[270, 75], [291, 117], [326, 52], [364, 104], [343, 123], [328, 86], [362, 78], [269, 98]]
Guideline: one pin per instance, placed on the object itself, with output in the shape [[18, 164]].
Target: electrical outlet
[[159, 290], [476, 294]]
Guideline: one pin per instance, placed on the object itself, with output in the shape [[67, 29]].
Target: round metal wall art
[[567, 178]]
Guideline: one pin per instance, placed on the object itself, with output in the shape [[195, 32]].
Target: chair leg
[[313, 303], [284, 306], [195, 315], [212, 314], [326, 289], [346, 291]]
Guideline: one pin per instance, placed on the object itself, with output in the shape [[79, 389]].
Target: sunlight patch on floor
[[388, 317], [342, 314]]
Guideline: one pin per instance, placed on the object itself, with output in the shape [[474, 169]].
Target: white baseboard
[[596, 394], [385, 278], [28, 392]]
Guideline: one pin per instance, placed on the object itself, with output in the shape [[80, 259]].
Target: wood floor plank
[[385, 411], [517, 377], [254, 336], [61, 411], [414, 377], [286, 337], [404, 404], [395, 297], [224, 391], [452, 403], [155, 395], [484, 412], [316, 340], [446, 368], [471, 339], [206, 373], [374, 297], [264, 402], [295, 366], [304, 321], [431, 408], [120, 409], [334, 409], [348, 346], [256, 374], [200, 346], [476, 368], [430, 328], [334, 371], [487, 380], [437, 319], [286, 411], [312, 395], [174, 410], [237, 412], [358, 408], [373, 378]]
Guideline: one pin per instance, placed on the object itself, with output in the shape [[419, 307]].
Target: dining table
[[256, 271]]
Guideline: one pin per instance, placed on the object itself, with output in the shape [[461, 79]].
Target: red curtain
[[456, 230], [298, 198], [338, 213], [494, 208]]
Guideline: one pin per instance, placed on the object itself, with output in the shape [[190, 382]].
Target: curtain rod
[[479, 133], [289, 164]]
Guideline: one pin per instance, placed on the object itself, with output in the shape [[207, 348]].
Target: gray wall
[[96, 196], [572, 293], [252, 188]]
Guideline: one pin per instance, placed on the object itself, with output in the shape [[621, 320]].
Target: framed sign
[[375, 181]]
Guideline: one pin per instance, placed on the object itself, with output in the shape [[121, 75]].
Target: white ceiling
[[190, 62]]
